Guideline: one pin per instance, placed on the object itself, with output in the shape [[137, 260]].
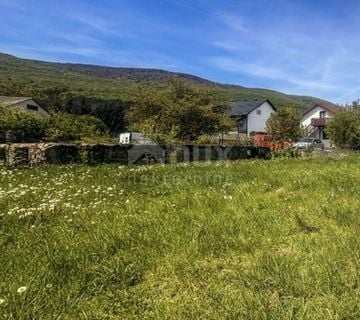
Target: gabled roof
[[326, 106], [243, 108], [9, 101], [13, 101]]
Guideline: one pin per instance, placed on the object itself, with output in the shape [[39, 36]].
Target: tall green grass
[[255, 239]]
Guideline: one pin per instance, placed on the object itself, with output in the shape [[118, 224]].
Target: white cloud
[[233, 22], [278, 78], [40, 52], [77, 38], [254, 69], [93, 22], [313, 58]]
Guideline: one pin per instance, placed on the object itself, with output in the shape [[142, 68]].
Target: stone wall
[[27, 154]]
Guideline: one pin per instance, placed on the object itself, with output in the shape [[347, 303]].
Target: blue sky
[[303, 47]]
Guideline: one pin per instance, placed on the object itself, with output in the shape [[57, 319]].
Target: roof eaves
[[18, 101], [13, 100], [260, 103], [329, 108]]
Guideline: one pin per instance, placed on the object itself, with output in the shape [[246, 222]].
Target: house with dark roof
[[23, 103], [251, 116], [315, 120]]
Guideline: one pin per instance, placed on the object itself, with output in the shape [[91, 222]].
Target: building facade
[[23, 103], [251, 116], [315, 120]]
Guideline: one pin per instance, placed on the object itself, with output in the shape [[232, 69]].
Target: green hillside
[[83, 89]]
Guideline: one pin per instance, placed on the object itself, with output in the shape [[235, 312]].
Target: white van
[[134, 138]]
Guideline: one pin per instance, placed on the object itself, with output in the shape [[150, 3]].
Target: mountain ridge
[[28, 76]]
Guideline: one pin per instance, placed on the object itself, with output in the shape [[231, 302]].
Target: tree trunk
[[8, 136]]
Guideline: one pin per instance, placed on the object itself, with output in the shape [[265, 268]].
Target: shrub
[[21, 126], [284, 125], [344, 128], [67, 127], [285, 152], [207, 139]]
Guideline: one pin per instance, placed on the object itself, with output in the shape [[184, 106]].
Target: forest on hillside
[[107, 92]]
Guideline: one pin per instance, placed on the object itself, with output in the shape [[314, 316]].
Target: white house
[[251, 116], [315, 119], [23, 103]]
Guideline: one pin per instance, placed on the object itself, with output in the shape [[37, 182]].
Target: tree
[[20, 126], [67, 127], [110, 111], [284, 125], [344, 128], [182, 113]]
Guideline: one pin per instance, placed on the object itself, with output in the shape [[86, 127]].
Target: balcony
[[320, 122]]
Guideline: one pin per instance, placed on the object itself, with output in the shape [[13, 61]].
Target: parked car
[[310, 143]]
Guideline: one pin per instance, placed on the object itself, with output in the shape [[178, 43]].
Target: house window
[[322, 114], [241, 125], [258, 111], [32, 107]]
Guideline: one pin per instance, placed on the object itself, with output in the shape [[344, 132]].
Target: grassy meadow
[[276, 239]]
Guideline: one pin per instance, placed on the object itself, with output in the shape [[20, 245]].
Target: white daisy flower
[[21, 289]]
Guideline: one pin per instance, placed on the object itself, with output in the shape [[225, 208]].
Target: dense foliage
[[284, 125], [109, 111], [19, 126], [344, 128], [66, 127], [22, 126], [182, 113]]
